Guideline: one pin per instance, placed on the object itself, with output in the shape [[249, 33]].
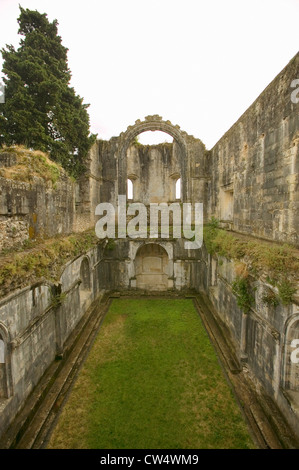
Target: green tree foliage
[[41, 109]]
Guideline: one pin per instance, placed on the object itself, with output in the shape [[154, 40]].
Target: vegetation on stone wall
[[41, 110], [270, 298], [58, 299], [241, 289], [278, 262], [44, 260], [286, 291], [135, 141], [28, 164], [110, 245]]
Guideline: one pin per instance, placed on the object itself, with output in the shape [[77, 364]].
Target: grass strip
[[152, 380]]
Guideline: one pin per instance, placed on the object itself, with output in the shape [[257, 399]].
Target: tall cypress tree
[[41, 109]]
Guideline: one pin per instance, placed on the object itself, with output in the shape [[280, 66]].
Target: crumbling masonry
[[248, 181]]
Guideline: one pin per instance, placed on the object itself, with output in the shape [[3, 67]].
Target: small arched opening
[[85, 286], [130, 189], [152, 267], [178, 189]]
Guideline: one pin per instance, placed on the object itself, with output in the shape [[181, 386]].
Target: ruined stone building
[[248, 182]]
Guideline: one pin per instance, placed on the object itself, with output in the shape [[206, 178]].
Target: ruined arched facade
[[152, 123], [108, 172], [247, 181]]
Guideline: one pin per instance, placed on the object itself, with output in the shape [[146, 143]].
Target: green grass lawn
[[151, 381]]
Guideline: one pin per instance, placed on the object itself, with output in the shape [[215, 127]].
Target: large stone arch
[[152, 123]]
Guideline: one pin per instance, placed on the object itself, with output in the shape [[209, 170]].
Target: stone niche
[[152, 267]]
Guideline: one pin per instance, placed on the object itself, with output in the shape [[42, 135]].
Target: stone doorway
[[152, 268]]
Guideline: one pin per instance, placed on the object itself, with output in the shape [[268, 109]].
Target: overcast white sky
[[197, 63]]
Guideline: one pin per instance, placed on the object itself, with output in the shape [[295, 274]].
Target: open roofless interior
[[61, 283]]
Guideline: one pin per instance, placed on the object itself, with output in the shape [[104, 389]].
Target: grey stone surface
[[35, 323], [259, 158], [30, 210], [249, 181]]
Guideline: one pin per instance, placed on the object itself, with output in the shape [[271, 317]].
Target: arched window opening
[[130, 191], [85, 275], [153, 138], [178, 189], [85, 286]]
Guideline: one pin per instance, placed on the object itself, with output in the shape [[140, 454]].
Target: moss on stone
[[43, 261], [279, 262], [30, 164]]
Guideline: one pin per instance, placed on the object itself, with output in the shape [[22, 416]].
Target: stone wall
[[254, 167], [34, 209], [165, 262], [87, 193], [35, 323], [153, 170], [261, 337], [249, 181], [254, 189]]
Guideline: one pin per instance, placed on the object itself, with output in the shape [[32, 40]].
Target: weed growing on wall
[[44, 260], [270, 298], [286, 291], [279, 262], [241, 289], [30, 164]]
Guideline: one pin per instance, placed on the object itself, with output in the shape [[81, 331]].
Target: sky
[[197, 63]]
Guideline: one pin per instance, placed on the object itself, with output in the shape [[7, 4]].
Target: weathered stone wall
[[153, 170], [88, 188], [249, 181], [253, 189], [254, 167], [262, 336], [35, 323], [120, 264], [36, 209]]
